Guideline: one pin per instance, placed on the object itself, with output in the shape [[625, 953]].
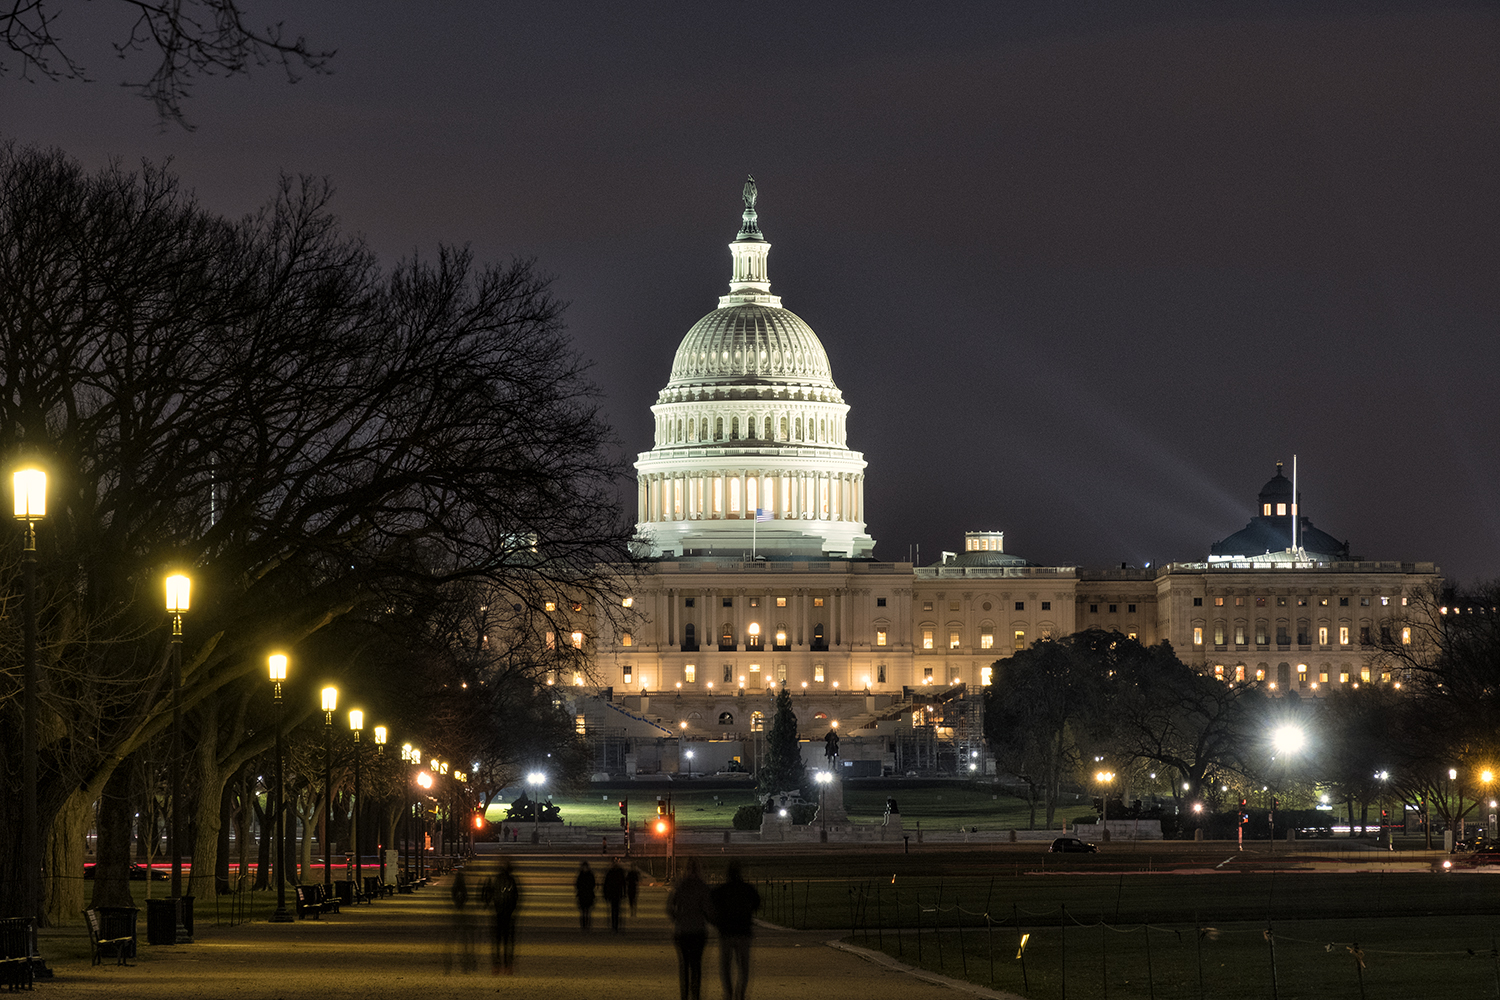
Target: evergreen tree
[[783, 769]]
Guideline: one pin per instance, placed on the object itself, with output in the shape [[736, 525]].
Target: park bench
[[16, 953], [376, 886], [112, 930], [312, 900]]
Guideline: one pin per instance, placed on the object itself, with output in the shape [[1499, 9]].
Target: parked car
[[138, 873], [1072, 845]]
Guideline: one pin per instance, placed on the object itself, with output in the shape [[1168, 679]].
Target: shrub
[[747, 817]]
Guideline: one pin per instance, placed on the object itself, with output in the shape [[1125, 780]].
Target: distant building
[[752, 505]]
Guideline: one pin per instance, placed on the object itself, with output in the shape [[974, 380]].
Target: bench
[[376, 886], [16, 953], [311, 899], [112, 930]]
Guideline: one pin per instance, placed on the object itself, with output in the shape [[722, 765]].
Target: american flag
[[761, 514]]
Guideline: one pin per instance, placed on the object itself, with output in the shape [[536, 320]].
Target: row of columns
[[728, 495], [751, 427]]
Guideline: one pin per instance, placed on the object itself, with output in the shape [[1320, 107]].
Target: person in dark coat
[[583, 892], [734, 905], [505, 897], [614, 893], [690, 908], [632, 885]]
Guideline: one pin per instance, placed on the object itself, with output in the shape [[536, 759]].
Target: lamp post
[[277, 665], [535, 780], [356, 723], [1285, 740], [330, 705], [31, 506], [1458, 809], [178, 591], [690, 763], [461, 790], [424, 782], [823, 779], [1105, 778], [413, 757], [380, 738]]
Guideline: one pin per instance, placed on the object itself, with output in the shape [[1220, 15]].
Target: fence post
[[1271, 944], [1063, 961], [937, 926], [1103, 957], [963, 954], [1150, 976]]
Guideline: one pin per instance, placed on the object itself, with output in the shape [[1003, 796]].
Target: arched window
[[783, 429], [821, 715], [734, 428], [726, 636], [690, 635], [799, 428], [782, 642], [768, 429], [703, 430], [726, 718], [817, 637], [718, 428], [679, 430], [750, 428], [752, 636]]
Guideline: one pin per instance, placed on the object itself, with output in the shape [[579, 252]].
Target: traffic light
[[1244, 816], [1275, 803], [661, 807], [624, 814]]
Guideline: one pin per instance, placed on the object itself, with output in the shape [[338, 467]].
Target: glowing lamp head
[[1486, 775], [356, 719], [380, 736], [1288, 739], [179, 588], [661, 826], [31, 494], [330, 699], [277, 667], [535, 778], [424, 779]]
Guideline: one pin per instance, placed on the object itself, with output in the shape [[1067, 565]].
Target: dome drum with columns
[[751, 421]]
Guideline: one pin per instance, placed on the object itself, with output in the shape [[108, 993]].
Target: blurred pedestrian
[[583, 892], [734, 905], [614, 893], [632, 884], [689, 907], [505, 898], [462, 940]]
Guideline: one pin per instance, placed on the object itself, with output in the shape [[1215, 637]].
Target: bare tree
[[187, 39], [324, 445]]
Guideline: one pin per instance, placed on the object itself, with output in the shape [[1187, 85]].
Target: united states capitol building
[[762, 575]]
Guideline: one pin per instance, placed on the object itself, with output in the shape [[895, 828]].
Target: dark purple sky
[[1084, 271]]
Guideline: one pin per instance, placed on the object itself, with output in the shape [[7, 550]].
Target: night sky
[[1085, 271]]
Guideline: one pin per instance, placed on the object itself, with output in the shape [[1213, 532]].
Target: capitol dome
[[749, 455]]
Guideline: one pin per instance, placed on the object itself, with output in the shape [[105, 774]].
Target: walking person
[[734, 904], [505, 898], [614, 893], [583, 892], [632, 884], [689, 907], [463, 929]]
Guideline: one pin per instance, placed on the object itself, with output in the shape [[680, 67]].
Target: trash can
[[343, 891], [161, 921]]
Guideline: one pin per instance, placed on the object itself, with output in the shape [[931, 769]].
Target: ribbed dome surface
[[754, 343]]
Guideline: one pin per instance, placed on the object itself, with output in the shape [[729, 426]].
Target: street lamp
[[823, 779], [330, 705], [277, 665], [690, 763], [380, 738], [412, 756], [1459, 807], [178, 591], [1286, 740], [31, 506], [356, 723], [424, 782], [1104, 778], [535, 780]]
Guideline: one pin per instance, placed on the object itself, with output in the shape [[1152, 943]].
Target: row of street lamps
[[30, 494]]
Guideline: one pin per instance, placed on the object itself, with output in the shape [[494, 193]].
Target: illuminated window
[[1129, 635], [1239, 635], [1260, 673], [781, 602], [1265, 510], [1260, 633], [1197, 635], [880, 637], [1281, 510], [1364, 674], [690, 672], [1239, 602], [757, 722], [1218, 602], [577, 640], [986, 674], [1322, 677], [926, 605], [1343, 677], [817, 602], [551, 641], [627, 668], [1406, 636], [626, 639], [628, 602], [551, 605], [952, 639], [728, 673], [1239, 672], [987, 637], [927, 675], [1343, 635], [1218, 635], [818, 672], [1219, 671], [1020, 638], [752, 638], [1301, 673], [579, 725], [1322, 635], [927, 638], [781, 674]]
